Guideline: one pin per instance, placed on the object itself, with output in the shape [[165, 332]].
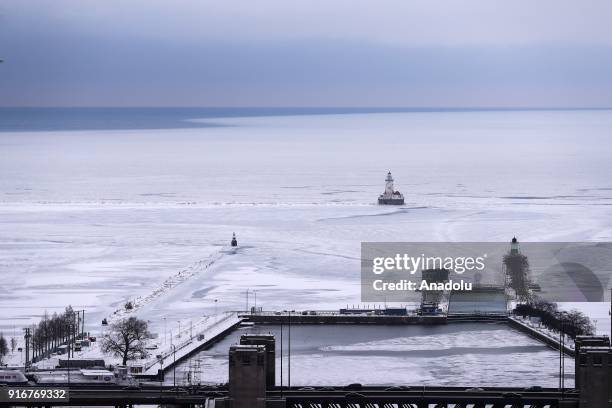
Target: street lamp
[[161, 376], [289, 349], [562, 320], [165, 333], [289, 352], [70, 329], [281, 350], [174, 366]]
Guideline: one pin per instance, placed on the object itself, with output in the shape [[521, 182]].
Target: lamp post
[[70, 328], [246, 310], [165, 333], [289, 350], [174, 366], [68, 365], [562, 321], [179, 331], [281, 350], [560, 354], [161, 377]]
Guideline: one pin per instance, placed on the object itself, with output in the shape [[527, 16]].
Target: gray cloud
[[434, 53]]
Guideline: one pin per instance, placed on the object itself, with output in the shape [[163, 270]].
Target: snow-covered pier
[[543, 335], [207, 331]]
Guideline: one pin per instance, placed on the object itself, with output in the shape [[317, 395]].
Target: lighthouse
[[390, 196], [389, 184], [514, 246]]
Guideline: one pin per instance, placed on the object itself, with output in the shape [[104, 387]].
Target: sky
[[408, 53]]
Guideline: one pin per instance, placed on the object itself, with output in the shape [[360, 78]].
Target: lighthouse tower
[[389, 185]]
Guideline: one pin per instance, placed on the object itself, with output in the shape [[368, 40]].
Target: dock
[[210, 331], [334, 317]]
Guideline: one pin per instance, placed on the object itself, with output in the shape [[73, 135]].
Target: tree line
[[126, 339], [53, 331], [573, 323]]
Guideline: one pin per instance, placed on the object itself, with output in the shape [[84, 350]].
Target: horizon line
[[407, 108]]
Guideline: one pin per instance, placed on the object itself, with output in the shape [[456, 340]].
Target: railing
[[479, 313], [178, 347], [358, 401], [315, 313]]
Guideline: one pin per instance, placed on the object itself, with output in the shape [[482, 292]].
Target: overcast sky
[[306, 53]]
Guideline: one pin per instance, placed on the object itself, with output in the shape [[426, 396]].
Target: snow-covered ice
[[96, 218], [457, 354]]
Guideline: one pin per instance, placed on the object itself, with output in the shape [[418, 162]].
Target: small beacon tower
[[390, 196], [514, 247], [234, 242]]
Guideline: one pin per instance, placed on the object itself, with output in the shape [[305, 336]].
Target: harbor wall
[[343, 319], [531, 332]]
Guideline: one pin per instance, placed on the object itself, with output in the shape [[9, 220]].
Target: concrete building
[[268, 341], [594, 373], [247, 376], [586, 341]]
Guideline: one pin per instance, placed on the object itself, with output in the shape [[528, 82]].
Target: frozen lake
[[93, 218], [454, 355]]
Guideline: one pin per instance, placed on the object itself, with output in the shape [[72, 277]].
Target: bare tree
[[517, 269], [3, 348], [433, 276], [573, 323], [127, 339], [578, 324]]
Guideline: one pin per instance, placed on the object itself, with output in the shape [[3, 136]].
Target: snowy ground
[[96, 218]]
